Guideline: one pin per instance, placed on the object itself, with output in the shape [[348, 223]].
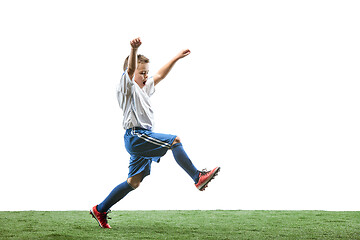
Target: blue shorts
[[144, 147]]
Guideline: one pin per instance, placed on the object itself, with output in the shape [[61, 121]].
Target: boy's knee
[[177, 140], [133, 182]]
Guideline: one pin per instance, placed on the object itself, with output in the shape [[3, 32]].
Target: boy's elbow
[[161, 77], [157, 78]]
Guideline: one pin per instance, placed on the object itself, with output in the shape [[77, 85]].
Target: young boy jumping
[[144, 145]]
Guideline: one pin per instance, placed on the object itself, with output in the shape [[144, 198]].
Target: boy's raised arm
[[163, 72], [135, 44]]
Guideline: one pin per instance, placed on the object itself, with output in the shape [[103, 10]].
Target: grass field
[[182, 225]]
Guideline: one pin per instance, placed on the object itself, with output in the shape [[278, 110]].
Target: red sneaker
[[205, 177], [101, 218]]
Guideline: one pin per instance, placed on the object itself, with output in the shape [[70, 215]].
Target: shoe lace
[[106, 217], [204, 171]]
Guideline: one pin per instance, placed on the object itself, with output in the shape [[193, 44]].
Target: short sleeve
[[125, 83], [149, 87]]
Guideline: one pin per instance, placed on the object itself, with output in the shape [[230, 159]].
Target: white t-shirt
[[135, 102]]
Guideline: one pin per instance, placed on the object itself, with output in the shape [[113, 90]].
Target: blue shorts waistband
[[137, 128]]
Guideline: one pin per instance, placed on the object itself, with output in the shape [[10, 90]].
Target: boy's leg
[[119, 192], [183, 160]]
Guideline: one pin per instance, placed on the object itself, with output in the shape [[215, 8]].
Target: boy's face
[[141, 74]]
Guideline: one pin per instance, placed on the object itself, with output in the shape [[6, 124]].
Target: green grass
[[182, 225]]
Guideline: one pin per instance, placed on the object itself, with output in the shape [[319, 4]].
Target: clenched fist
[[183, 53], [135, 43]]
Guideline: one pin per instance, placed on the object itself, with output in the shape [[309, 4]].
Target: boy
[[143, 145]]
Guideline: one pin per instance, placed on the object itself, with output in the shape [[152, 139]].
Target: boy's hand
[[183, 53], [135, 43]]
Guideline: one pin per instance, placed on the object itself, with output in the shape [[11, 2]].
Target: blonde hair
[[140, 59]]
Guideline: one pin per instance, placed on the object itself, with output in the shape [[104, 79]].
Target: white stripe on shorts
[[152, 140]]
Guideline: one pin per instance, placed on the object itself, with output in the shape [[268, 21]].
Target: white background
[[270, 93]]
